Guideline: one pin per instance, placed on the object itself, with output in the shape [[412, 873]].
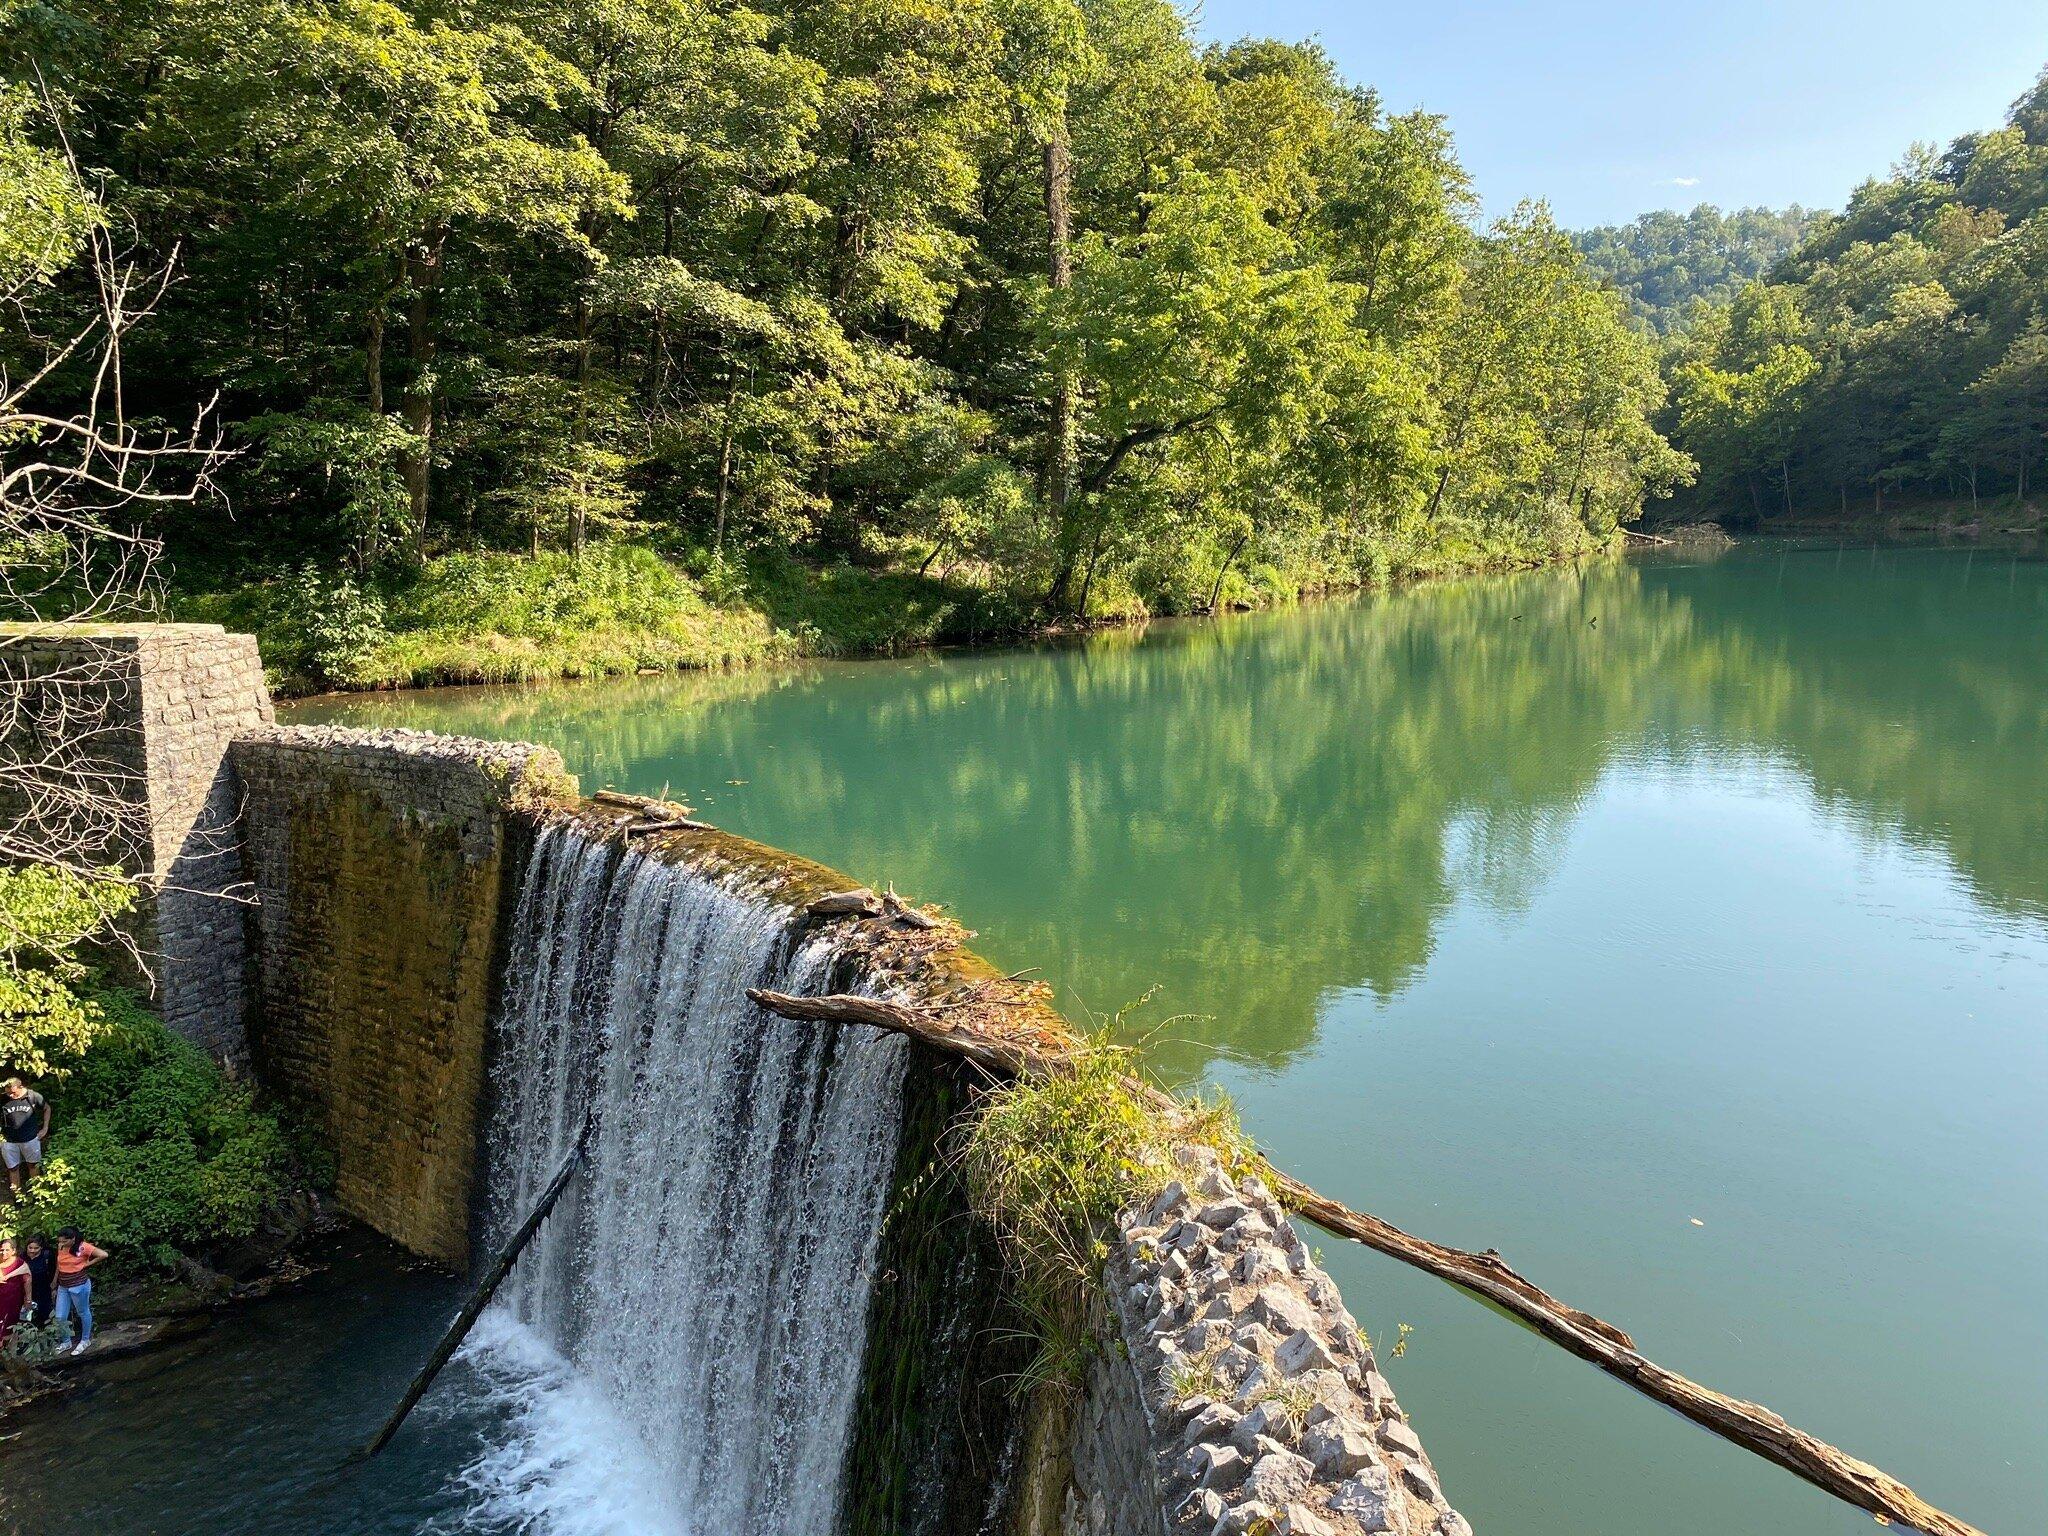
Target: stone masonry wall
[[380, 859], [1238, 1396], [200, 688], [143, 714]]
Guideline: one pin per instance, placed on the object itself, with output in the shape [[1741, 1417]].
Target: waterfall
[[708, 1273]]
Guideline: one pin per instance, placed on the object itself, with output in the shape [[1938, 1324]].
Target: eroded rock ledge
[[1259, 1396]]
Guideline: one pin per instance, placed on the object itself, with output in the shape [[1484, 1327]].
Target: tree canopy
[[1667, 264], [1042, 291]]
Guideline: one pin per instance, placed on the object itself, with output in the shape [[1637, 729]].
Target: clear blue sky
[[1611, 110]]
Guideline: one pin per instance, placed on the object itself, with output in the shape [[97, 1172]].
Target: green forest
[[1673, 267], [623, 334], [614, 333], [1899, 351]]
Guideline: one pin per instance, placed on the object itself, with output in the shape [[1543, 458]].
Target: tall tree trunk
[[373, 359], [1056, 473], [1094, 558], [1785, 478], [424, 273], [579, 488], [725, 437], [1216, 589], [370, 548]]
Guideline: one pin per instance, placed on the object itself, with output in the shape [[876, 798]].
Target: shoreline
[[1045, 632]]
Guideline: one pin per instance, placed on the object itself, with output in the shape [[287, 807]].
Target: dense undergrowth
[[153, 1150], [621, 608]]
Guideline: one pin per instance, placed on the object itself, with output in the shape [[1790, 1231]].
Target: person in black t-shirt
[[24, 1123]]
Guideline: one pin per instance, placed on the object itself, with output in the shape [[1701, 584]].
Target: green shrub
[[29, 1345], [153, 1148], [46, 913], [1051, 1160], [848, 610]]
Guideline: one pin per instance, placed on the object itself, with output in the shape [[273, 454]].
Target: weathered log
[[903, 912], [1750, 1425], [480, 1298], [997, 1057], [668, 824], [861, 902]]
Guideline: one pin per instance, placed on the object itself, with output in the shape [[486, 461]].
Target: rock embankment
[[1266, 1410]]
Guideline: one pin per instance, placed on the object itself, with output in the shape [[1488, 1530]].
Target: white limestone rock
[[1278, 1476], [1302, 1351], [1397, 1436], [1282, 1308], [1209, 1465], [1302, 1520], [1421, 1482], [1223, 1214], [1213, 1423], [1367, 1497], [1339, 1448], [1170, 1202]]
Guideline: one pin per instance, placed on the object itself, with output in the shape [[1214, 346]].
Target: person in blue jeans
[[75, 1256]]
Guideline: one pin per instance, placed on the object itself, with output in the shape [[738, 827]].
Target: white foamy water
[[705, 1281], [565, 1463]]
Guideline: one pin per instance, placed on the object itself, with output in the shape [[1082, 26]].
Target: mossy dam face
[[766, 1266]]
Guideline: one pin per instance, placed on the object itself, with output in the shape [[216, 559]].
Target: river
[[1677, 927]]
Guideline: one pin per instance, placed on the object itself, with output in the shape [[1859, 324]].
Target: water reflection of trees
[[1247, 814]]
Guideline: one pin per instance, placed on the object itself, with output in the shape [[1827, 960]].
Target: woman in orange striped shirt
[[74, 1286]]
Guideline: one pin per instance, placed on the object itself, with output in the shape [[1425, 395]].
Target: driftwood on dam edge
[[1749, 1425]]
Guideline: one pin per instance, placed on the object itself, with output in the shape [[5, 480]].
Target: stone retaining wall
[[146, 711], [380, 860], [1237, 1391]]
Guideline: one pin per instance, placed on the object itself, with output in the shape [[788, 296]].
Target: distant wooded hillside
[[1663, 261], [1900, 350]]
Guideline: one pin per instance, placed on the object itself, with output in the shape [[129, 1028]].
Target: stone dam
[[811, 1338]]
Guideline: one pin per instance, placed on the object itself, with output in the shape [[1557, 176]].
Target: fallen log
[[860, 902], [480, 1298], [1750, 1425], [668, 824]]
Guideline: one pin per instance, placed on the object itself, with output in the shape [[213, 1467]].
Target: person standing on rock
[[74, 1286], [24, 1124]]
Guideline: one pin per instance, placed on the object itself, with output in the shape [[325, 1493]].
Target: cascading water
[[708, 1273]]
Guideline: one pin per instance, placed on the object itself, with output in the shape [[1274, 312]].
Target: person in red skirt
[[14, 1282]]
